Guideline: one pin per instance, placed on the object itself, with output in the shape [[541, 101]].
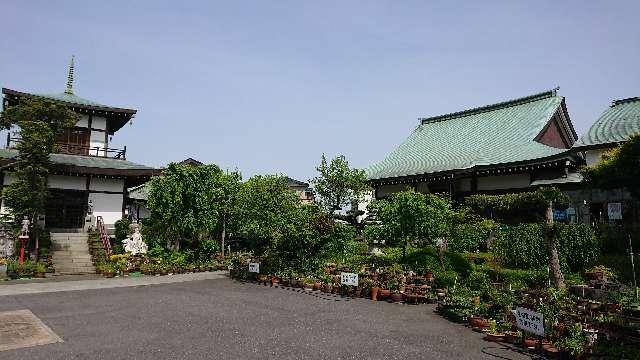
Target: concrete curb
[[104, 283]]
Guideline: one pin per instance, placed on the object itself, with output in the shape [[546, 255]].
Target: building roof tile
[[616, 124], [496, 134]]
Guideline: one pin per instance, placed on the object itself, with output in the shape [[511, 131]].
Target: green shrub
[[470, 236], [478, 280], [524, 246], [445, 279], [122, 229]]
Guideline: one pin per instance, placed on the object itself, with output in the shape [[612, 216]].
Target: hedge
[[524, 246]]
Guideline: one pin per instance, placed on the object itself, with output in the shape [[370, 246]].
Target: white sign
[[615, 211], [254, 267], [349, 279], [530, 321]]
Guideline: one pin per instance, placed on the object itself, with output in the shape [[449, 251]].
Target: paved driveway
[[224, 319]]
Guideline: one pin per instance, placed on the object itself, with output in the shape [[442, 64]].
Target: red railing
[[106, 244]]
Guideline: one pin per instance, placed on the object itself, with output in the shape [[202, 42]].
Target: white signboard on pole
[[254, 267], [530, 321], [349, 279], [615, 211]]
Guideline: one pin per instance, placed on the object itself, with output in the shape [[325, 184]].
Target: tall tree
[[619, 168], [230, 186], [339, 185], [411, 217], [39, 121], [266, 206], [189, 201]]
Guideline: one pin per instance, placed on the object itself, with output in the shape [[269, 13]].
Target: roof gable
[[496, 134], [616, 124]]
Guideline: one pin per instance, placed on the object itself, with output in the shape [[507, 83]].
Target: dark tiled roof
[[84, 161]]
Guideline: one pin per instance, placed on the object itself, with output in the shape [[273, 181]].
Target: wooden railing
[[106, 244], [76, 149]]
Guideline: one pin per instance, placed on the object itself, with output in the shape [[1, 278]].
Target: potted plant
[[40, 270], [262, 278], [494, 334], [308, 283], [108, 270], [3, 268], [428, 276], [574, 342]]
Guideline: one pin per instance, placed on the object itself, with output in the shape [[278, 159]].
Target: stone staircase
[[70, 253]]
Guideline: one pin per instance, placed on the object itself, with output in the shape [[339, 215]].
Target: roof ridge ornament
[[69, 89]]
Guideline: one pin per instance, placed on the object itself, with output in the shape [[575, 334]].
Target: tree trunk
[[223, 235], [554, 261]]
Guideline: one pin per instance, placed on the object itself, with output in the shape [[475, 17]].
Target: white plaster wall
[[593, 156], [97, 140], [83, 122], [67, 182], [504, 182], [100, 184], [98, 122], [109, 206]]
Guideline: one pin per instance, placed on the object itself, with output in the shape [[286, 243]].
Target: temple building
[[504, 147], [88, 176], [616, 124]]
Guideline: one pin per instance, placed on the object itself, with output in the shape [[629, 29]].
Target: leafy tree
[[266, 207], [412, 217], [39, 122], [228, 203], [536, 206], [619, 168], [338, 185], [192, 202]]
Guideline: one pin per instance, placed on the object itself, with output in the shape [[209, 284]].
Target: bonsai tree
[[339, 186]]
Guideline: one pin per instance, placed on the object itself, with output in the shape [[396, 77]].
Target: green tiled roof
[[140, 192], [495, 134], [72, 99], [616, 124], [84, 161]]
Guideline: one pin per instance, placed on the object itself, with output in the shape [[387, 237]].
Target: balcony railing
[[76, 149]]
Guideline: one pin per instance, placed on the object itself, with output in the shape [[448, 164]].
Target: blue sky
[[268, 86]]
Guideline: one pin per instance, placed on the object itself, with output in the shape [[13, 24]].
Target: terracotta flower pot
[[275, 280], [479, 322], [374, 293], [428, 276], [397, 297], [109, 274], [384, 294], [530, 343], [494, 337], [317, 286]]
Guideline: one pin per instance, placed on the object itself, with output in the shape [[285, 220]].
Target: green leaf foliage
[[523, 246], [188, 202], [411, 217], [39, 122], [526, 207], [266, 211], [338, 185], [619, 168]]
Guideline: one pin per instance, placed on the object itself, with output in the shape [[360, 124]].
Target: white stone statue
[[134, 244], [25, 227]]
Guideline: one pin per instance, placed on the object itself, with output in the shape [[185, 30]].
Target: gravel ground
[[225, 319]]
